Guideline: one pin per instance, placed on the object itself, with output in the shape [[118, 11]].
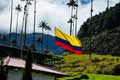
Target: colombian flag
[[68, 42]]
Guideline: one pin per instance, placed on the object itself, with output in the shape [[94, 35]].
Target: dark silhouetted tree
[[72, 4], [27, 74], [3, 74], [43, 25]]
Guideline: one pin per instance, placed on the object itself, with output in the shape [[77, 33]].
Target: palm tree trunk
[[25, 29], [71, 21], [16, 26], [47, 40], [91, 28], [11, 21], [73, 26], [107, 28], [34, 22], [42, 38], [21, 41], [76, 20], [26, 17], [70, 28]]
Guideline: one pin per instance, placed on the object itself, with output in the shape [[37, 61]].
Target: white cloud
[[55, 12], [3, 4]]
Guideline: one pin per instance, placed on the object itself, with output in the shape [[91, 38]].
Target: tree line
[[42, 24], [105, 32]]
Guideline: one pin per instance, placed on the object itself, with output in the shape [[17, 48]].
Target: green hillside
[[102, 39], [104, 32], [91, 77], [99, 67]]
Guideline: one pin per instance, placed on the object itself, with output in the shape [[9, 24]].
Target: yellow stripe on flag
[[71, 39]]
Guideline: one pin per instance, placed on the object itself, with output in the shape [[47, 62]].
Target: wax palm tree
[[76, 18], [43, 25], [28, 2], [107, 27], [23, 22], [90, 29], [72, 4], [18, 8], [48, 28]]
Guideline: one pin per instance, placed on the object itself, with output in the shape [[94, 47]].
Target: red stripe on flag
[[68, 47]]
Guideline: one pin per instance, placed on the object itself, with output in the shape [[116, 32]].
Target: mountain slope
[[104, 32], [48, 42]]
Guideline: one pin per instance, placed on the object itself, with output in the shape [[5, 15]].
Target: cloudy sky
[[54, 12]]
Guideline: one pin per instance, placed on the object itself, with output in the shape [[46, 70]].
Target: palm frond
[[18, 8]]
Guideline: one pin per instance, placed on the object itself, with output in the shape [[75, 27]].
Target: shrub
[[103, 59], [112, 59], [99, 71], [107, 71], [102, 66], [117, 59], [95, 59], [116, 69], [110, 63], [84, 76], [104, 71]]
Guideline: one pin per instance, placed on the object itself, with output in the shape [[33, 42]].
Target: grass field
[[92, 77], [103, 77], [100, 67]]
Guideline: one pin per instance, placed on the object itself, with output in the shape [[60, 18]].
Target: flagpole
[[90, 28], [107, 27], [11, 21]]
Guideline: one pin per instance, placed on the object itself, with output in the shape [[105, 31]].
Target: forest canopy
[[104, 32]]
